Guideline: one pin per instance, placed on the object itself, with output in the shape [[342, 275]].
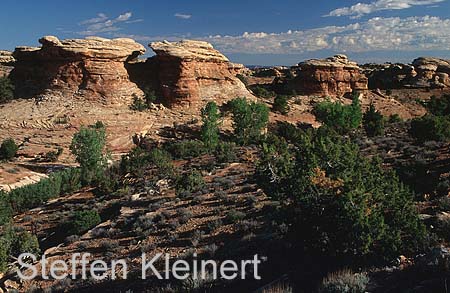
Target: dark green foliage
[[31, 196], [135, 161], [138, 104], [342, 205], [8, 149], [373, 122], [262, 92], [280, 104], [52, 156], [6, 90], [189, 182], [88, 146], [430, 127], [15, 241], [149, 96], [234, 216], [210, 127], [342, 118], [163, 161], [438, 106], [394, 118], [83, 221], [225, 152], [249, 119], [186, 149]]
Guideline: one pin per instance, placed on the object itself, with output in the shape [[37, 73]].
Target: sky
[[253, 32]]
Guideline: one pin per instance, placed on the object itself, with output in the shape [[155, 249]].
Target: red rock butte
[[93, 68]]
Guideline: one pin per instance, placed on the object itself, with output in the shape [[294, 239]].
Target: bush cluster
[[8, 149], [188, 183], [82, 221], [431, 127], [15, 241], [373, 122], [280, 104], [343, 118]]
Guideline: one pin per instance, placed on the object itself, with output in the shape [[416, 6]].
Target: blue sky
[[263, 32]]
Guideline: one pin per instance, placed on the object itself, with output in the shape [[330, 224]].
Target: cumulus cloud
[[104, 24], [182, 15], [376, 34], [361, 9]]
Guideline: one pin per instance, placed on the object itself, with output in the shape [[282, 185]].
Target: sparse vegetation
[[344, 281], [373, 122], [189, 182]]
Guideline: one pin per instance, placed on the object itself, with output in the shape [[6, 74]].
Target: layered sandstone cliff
[[93, 68], [424, 72], [6, 62], [334, 76], [191, 72]]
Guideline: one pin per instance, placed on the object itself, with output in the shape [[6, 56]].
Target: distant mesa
[[93, 68]]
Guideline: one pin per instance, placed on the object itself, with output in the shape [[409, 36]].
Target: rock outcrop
[[6, 62], [191, 72], [334, 76], [93, 68], [424, 72]]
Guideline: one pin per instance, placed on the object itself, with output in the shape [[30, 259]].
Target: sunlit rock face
[[92, 68], [6, 63]]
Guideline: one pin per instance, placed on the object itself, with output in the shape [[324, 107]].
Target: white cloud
[[104, 24], [182, 15], [376, 34], [361, 9]]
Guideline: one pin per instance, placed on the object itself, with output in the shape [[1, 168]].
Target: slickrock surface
[[424, 72], [92, 68], [191, 72], [334, 76]]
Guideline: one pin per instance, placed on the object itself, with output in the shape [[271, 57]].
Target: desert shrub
[[281, 105], [6, 90], [394, 118], [430, 127], [83, 221], [249, 119], [135, 161], [138, 104], [233, 216], [52, 156], [438, 106], [70, 180], [149, 96], [225, 152], [344, 281], [189, 182], [373, 122], [342, 118], [262, 92], [341, 203], [88, 146], [210, 127], [186, 149], [8, 149], [163, 161], [15, 241]]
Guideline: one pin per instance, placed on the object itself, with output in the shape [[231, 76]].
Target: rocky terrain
[[6, 62]]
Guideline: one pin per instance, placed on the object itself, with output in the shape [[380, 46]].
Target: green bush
[[8, 149], [6, 90], [344, 281], [430, 127], [343, 118], [83, 221], [15, 241], [163, 161], [438, 106], [281, 105], [186, 149], [149, 96], [138, 104], [225, 152], [210, 127], [394, 118], [189, 182], [249, 119], [262, 92], [135, 161], [373, 122], [88, 146], [342, 205]]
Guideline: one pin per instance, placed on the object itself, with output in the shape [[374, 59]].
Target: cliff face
[[191, 72], [6, 63], [334, 76], [93, 68], [424, 72]]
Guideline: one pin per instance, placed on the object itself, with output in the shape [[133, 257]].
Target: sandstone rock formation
[[190, 72], [93, 68], [334, 76], [424, 72], [6, 63]]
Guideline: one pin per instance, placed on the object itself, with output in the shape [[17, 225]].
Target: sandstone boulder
[[192, 72], [334, 76], [93, 68], [6, 62]]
